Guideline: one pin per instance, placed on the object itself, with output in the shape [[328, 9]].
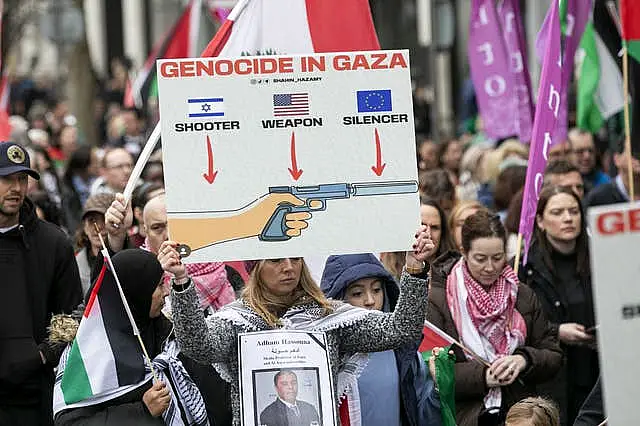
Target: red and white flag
[[256, 27], [5, 90]]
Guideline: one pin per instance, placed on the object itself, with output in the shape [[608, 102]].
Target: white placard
[[256, 149], [615, 262], [285, 379]]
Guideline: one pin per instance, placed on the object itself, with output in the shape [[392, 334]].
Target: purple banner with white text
[[490, 71], [513, 31], [544, 125]]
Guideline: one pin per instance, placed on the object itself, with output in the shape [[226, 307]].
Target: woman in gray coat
[[281, 294]]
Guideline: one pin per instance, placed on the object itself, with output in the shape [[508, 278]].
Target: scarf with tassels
[[486, 319]]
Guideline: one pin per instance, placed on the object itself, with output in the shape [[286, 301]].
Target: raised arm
[[381, 332], [206, 341]]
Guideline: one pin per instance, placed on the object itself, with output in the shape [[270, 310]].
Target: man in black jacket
[[38, 277], [617, 191]]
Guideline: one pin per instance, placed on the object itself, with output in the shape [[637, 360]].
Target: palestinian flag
[[600, 89], [630, 17], [105, 354], [179, 42], [434, 337]]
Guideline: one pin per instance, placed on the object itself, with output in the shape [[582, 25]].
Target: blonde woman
[[533, 412], [457, 217], [281, 294]]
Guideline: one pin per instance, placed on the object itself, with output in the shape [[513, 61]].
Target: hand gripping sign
[[310, 128]]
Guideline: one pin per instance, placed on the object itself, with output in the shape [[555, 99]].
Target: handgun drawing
[[277, 216]]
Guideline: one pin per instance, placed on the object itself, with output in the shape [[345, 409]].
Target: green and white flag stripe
[[91, 367], [600, 90]]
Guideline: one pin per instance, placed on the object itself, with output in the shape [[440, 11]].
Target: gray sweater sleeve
[[206, 341], [380, 332]]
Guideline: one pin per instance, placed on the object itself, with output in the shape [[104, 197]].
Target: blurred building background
[[70, 40]]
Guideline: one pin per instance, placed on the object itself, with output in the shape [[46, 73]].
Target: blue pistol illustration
[[316, 196]]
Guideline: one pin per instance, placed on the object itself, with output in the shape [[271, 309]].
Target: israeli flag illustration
[[205, 107]]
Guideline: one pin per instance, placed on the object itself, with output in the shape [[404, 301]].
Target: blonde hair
[[393, 262], [534, 410], [455, 214], [269, 307]]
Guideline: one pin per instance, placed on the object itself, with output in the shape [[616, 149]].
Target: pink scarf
[[211, 282], [492, 312]]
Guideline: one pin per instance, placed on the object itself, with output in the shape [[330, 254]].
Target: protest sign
[[285, 378], [282, 156], [615, 268]]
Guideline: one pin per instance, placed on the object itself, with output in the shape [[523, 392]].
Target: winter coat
[[339, 273], [580, 369], [39, 270], [541, 349], [216, 339]]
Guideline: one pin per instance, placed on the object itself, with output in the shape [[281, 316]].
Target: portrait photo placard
[[285, 379]]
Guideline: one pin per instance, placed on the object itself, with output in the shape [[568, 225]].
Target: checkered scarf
[[491, 311], [210, 279]]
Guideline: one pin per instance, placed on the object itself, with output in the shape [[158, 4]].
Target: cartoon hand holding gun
[[277, 216]]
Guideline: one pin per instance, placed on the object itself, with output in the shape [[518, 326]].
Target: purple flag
[[574, 22], [490, 71], [544, 124], [513, 31]]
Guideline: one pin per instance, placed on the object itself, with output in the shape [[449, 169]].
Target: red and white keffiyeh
[[486, 319]]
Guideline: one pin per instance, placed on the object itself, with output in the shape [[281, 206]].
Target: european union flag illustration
[[374, 100]]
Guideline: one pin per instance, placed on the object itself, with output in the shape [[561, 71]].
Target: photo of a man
[[287, 410]]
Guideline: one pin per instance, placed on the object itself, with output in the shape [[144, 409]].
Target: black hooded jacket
[[38, 277]]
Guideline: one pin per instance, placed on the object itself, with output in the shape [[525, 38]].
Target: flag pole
[[136, 331], [516, 265], [627, 125]]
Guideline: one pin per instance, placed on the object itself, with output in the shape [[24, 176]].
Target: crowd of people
[[534, 331]]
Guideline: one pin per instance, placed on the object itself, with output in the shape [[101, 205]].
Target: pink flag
[[544, 125], [573, 16], [490, 71], [513, 31]]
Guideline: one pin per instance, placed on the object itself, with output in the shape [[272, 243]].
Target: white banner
[[616, 271], [285, 379], [282, 156]]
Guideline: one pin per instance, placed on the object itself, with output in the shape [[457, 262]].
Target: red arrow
[[379, 167], [294, 171], [210, 176]]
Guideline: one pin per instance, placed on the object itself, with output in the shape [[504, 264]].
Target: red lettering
[[286, 64], [397, 60], [268, 66], [611, 223], [341, 63], [378, 61], [360, 62], [204, 68], [169, 69], [634, 220], [242, 66], [187, 69], [224, 67]]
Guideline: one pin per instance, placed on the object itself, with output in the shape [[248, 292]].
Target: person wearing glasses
[[117, 165], [583, 156]]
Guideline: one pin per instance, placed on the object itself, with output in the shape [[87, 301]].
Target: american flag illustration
[[290, 104]]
